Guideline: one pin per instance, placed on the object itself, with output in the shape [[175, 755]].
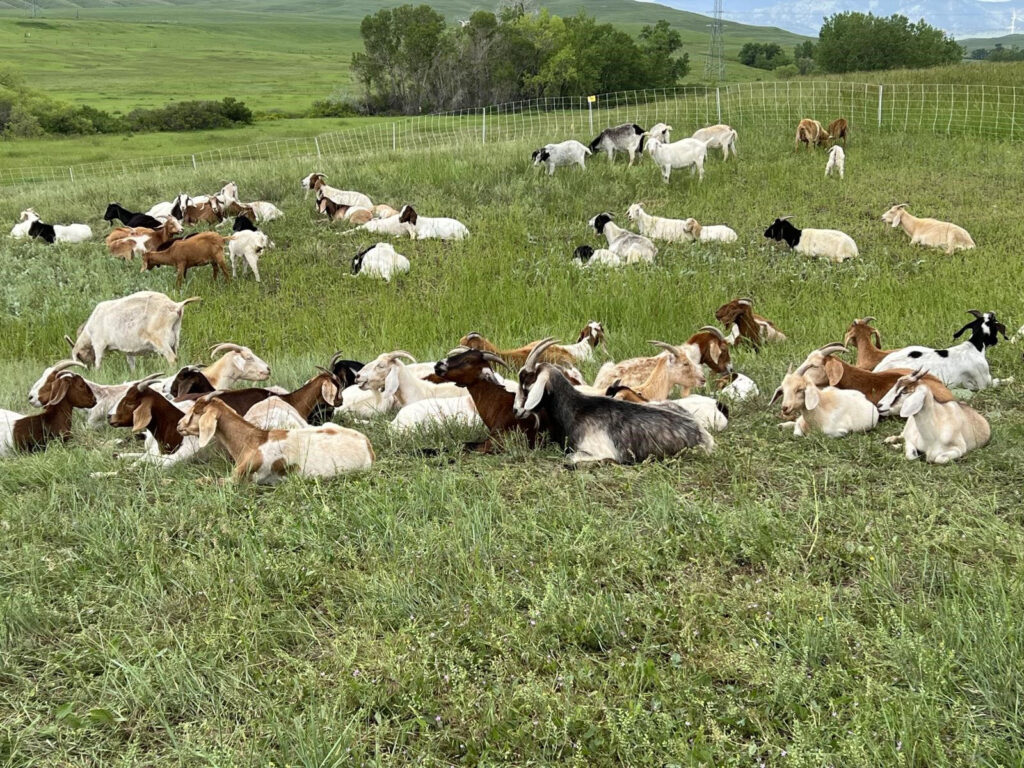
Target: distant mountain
[[962, 18]]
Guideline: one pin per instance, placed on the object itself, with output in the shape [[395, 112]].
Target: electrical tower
[[714, 62]]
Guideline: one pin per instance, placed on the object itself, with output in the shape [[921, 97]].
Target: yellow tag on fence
[[591, 99]]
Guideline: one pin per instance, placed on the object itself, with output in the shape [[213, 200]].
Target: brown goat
[[739, 319], [323, 389], [210, 212], [714, 349], [838, 129], [675, 366], [810, 133], [194, 251], [124, 241], [143, 409], [517, 357], [861, 333], [61, 395]]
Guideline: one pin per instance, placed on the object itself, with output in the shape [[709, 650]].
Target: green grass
[[820, 598]]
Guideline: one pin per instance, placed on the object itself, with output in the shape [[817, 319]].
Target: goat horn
[[744, 300], [402, 353], [457, 351], [901, 205], [976, 313], [711, 329], [336, 357], [493, 358], [69, 341], [219, 349], [834, 348], [786, 218], [666, 346], [63, 365], [537, 351], [474, 335], [866, 320]]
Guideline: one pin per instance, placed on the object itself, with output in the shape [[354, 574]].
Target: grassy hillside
[[787, 602], [274, 56], [1010, 73], [1007, 41]]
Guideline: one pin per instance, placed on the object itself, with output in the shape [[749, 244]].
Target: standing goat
[[836, 162], [628, 137], [569, 152], [195, 251], [685, 153], [715, 136], [810, 133]]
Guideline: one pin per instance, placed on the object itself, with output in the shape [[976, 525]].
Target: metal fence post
[[193, 162], [483, 126], [880, 106], [718, 103], [316, 141], [394, 136], [71, 173], [590, 114]]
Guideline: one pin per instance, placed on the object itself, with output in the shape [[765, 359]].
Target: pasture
[[782, 602]]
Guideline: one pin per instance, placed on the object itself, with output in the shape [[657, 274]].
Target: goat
[[861, 333], [317, 183], [249, 246], [60, 233], [810, 133], [656, 377], [20, 230], [830, 243], [685, 153], [243, 223], [190, 380], [708, 412], [964, 365], [739, 387], [941, 431], [260, 210], [673, 230], [106, 394], [32, 433], [430, 412], [715, 136], [713, 348], [557, 354], [207, 212], [823, 368], [836, 162], [146, 321], [835, 412], [146, 411], [929, 232], [389, 225], [569, 152], [339, 212], [838, 129], [115, 211], [601, 428], [586, 256], [628, 245], [195, 251], [738, 318], [628, 137], [388, 375], [267, 456], [345, 371], [424, 227], [710, 233], [125, 242], [380, 260]]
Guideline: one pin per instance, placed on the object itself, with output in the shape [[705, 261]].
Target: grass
[[786, 602]]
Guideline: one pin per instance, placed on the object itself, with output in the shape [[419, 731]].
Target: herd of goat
[[635, 409]]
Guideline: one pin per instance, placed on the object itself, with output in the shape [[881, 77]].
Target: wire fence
[[953, 110]]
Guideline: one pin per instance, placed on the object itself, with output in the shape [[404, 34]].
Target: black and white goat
[[964, 365], [628, 137], [597, 428], [630, 246], [115, 211], [569, 152]]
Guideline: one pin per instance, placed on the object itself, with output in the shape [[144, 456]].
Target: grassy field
[[782, 602]]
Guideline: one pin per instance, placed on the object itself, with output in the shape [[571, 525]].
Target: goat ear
[[329, 392], [537, 391], [812, 397], [60, 390], [141, 416], [391, 383], [714, 351], [877, 337], [776, 396], [207, 426], [896, 218], [834, 370], [912, 404], [959, 333]]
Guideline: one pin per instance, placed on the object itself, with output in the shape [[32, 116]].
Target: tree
[[978, 54], [659, 45], [763, 55], [854, 41]]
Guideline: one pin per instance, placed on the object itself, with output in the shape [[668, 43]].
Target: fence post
[[394, 136], [194, 162], [718, 103], [71, 173], [483, 126], [880, 106], [590, 114], [316, 141]]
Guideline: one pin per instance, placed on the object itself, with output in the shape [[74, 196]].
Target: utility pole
[[714, 62]]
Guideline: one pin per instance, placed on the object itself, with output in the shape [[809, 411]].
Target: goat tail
[[181, 304], [706, 442]]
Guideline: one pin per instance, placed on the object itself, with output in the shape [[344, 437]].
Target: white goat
[[20, 230], [430, 412], [629, 246], [317, 182], [740, 388], [835, 412], [440, 228], [685, 153], [836, 162], [710, 233], [388, 375], [248, 245], [380, 260], [929, 232], [586, 256], [827, 243], [718, 136], [264, 211], [706, 410], [673, 230], [389, 225], [941, 431], [569, 152], [275, 413]]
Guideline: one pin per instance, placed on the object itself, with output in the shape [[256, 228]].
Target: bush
[[333, 106], [787, 71]]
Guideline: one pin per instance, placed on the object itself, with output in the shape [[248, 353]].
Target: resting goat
[[835, 412], [829, 243], [738, 318], [929, 232], [32, 433], [629, 246]]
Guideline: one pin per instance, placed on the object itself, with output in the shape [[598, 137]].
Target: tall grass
[[787, 602]]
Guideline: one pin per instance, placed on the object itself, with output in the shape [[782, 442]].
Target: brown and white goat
[[143, 409], [556, 354], [195, 251], [210, 211], [62, 395], [338, 212], [867, 341], [810, 133], [266, 456], [125, 242], [714, 351], [739, 319], [655, 377]]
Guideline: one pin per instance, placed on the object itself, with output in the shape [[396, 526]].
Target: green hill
[[1007, 41], [272, 54]]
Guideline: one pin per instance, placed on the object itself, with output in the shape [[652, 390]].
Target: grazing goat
[[836, 162], [941, 431], [738, 318], [833, 411], [655, 377], [628, 137], [627, 245], [249, 246], [20, 230], [569, 152], [861, 333], [601, 428], [838, 129], [831, 244], [964, 365], [195, 251], [59, 233], [673, 230], [929, 232], [810, 133], [586, 256], [424, 227], [715, 136], [129, 218], [685, 153], [125, 242], [64, 393], [380, 260], [709, 233], [143, 322], [267, 456]]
